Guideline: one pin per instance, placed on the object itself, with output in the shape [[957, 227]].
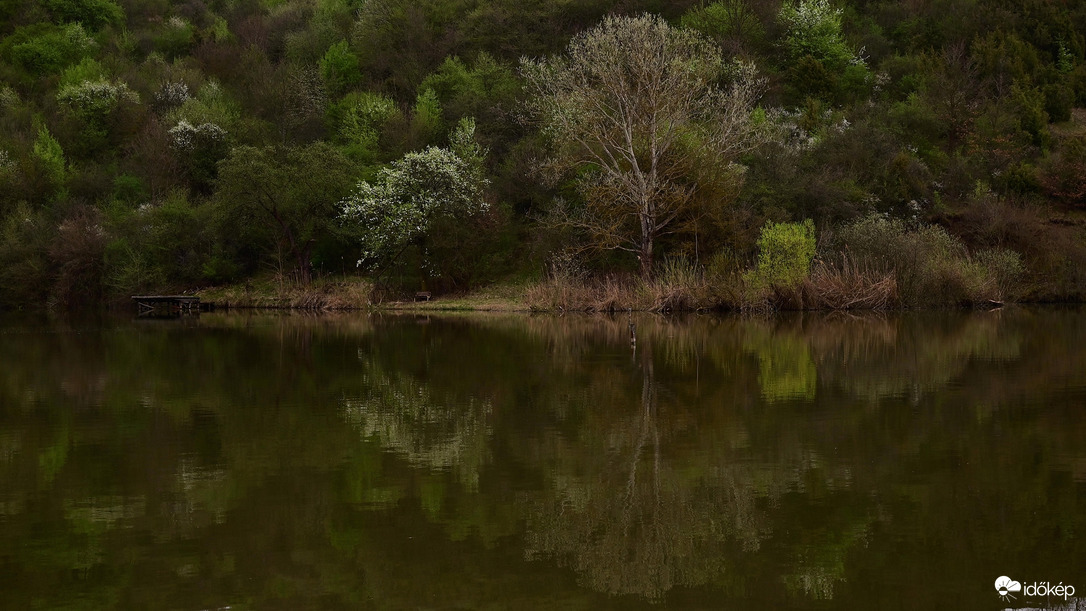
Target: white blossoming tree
[[414, 195], [96, 105]]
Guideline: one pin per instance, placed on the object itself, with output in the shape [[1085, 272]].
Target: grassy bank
[[329, 293], [354, 293], [875, 263]]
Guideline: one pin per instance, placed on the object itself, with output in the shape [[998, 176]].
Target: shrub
[[731, 22], [813, 28], [931, 266], [1003, 269], [785, 251]]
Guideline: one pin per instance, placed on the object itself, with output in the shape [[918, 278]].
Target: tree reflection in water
[[303, 462], [628, 520]]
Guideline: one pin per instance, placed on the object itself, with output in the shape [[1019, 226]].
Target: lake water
[[513, 461]]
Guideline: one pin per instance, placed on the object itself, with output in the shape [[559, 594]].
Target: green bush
[[731, 22], [176, 37], [785, 251], [50, 159], [91, 13], [932, 267], [358, 122], [1002, 268], [43, 49], [339, 68]]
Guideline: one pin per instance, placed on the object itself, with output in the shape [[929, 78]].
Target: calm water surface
[[401, 462]]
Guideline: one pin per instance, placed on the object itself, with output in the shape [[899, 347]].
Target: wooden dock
[[173, 303]]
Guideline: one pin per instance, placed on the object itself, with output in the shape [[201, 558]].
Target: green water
[[510, 462]]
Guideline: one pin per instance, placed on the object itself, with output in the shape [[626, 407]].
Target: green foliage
[[1005, 58], [1029, 107], [1000, 270], [175, 37], [161, 244], [93, 14], [359, 120], [24, 263], [339, 68], [219, 30], [813, 28], [87, 70], [44, 49], [94, 101], [1059, 98], [485, 89], [785, 251], [95, 104], [426, 119], [729, 22], [211, 104], [283, 197], [1065, 59], [50, 156], [889, 106], [199, 148]]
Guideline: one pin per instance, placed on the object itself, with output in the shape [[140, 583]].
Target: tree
[[632, 105], [813, 27], [415, 193], [290, 191], [339, 67]]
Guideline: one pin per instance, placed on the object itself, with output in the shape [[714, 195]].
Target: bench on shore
[[422, 296]]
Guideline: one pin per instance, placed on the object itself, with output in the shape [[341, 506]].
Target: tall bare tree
[[632, 107]]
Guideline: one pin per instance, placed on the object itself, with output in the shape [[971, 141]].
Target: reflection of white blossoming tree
[[405, 417], [413, 195]]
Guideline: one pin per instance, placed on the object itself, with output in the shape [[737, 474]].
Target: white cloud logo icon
[[1005, 585]]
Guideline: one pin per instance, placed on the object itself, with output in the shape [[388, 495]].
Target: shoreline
[[510, 298], [603, 295]]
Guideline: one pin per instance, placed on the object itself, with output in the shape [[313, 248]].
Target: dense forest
[[839, 154]]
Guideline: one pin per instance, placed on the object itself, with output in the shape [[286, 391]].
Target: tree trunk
[[305, 274], [646, 258]]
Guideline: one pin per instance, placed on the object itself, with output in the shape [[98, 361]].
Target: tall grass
[[874, 263], [679, 284]]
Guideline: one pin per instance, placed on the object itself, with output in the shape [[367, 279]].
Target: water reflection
[[825, 461]]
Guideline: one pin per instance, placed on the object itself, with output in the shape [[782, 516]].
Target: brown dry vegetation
[[274, 293]]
